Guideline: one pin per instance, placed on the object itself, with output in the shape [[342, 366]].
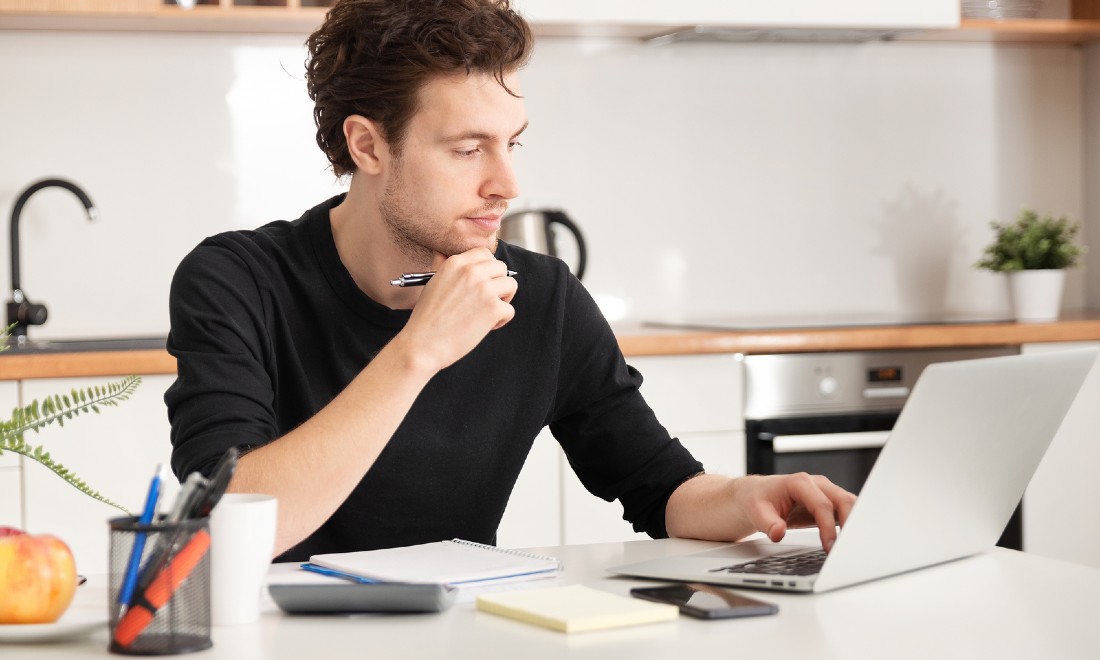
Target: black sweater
[[268, 327]]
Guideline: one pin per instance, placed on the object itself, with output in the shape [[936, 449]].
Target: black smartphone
[[705, 601]]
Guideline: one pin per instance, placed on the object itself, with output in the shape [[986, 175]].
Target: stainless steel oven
[[831, 413]]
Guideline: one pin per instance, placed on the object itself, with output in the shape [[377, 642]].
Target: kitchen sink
[[84, 345]]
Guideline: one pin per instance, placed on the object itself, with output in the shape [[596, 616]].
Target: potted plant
[[38, 572], [1034, 252]]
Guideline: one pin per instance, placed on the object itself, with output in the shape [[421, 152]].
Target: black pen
[[199, 502], [215, 486], [193, 487], [420, 279]]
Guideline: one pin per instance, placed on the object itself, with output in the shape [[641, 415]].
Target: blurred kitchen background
[[711, 179]]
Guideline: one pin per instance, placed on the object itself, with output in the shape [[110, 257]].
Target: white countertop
[[1002, 604]]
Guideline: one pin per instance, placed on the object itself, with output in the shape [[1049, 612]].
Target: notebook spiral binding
[[507, 551]]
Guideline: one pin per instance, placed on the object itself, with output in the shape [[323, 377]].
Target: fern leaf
[[44, 458], [56, 409]]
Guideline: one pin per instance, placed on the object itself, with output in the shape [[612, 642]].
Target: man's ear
[[366, 146]]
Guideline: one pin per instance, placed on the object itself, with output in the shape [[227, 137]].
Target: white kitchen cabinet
[[533, 516], [116, 452], [1059, 507], [699, 399], [11, 512]]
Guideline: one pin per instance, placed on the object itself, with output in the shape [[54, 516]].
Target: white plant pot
[[1036, 294]]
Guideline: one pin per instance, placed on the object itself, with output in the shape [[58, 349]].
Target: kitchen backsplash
[[710, 179]]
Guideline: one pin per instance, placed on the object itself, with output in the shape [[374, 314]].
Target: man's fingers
[[507, 314], [842, 500], [766, 517], [473, 265], [806, 491], [503, 288], [772, 504]]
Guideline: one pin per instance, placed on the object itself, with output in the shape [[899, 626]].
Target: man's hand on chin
[[469, 296]]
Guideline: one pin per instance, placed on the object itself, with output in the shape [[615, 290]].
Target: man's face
[[452, 181]]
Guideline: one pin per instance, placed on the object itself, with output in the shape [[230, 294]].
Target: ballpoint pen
[[206, 495], [146, 518], [215, 487], [187, 498], [420, 279], [321, 570]]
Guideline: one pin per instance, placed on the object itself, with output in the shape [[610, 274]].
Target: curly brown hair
[[371, 57]]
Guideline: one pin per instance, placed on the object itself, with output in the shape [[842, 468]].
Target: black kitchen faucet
[[21, 311]]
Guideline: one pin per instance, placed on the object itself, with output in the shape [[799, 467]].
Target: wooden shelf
[[141, 15], [1032, 30], [168, 18], [293, 19]]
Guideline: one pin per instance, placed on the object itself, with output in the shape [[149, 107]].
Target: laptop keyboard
[[803, 563]]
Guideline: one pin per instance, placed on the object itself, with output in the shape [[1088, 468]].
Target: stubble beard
[[416, 235]]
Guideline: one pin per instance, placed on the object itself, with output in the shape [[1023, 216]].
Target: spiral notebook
[[455, 562]]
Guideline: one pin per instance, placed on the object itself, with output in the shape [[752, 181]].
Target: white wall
[[721, 179], [175, 137], [711, 179]]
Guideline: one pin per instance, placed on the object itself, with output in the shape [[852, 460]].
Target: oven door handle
[[786, 444]]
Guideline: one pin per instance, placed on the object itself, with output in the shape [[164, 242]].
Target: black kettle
[[534, 230]]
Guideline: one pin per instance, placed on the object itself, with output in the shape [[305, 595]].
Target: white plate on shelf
[[72, 624]]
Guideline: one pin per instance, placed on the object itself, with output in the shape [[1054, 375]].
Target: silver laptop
[[945, 485]]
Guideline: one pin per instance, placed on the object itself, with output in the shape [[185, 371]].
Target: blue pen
[[148, 513], [314, 568]]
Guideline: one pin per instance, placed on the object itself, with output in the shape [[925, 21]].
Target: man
[[385, 416]]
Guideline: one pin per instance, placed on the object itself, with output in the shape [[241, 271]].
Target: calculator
[[353, 598]]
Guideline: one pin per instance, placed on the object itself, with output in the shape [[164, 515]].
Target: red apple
[[37, 578]]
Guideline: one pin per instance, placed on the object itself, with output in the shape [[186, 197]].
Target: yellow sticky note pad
[[575, 608]]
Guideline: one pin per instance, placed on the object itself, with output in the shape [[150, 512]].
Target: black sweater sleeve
[[223, 396], [609, 433]]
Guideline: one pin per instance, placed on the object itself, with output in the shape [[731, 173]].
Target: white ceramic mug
[[242, 540]]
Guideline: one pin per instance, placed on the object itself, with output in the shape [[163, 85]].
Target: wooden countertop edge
[[804, 340], [76, 365], [636, 342]]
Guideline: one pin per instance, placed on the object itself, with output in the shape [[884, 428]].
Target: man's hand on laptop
[[772, 504], [718, 508]]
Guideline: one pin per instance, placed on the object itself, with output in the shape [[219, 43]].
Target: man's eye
[[513, 144], [467, 153]]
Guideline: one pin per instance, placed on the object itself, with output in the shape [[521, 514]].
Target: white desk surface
[[1002, 604]]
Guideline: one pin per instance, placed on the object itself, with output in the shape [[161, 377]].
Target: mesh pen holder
[[169, 609]]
